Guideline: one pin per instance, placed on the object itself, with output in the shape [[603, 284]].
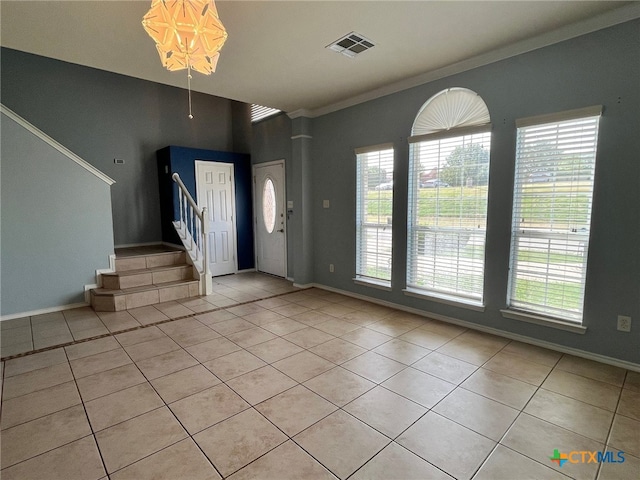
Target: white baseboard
[[246, 270], [133, 245], [98, 284], [310, 285], [494, 331], [42, 311]]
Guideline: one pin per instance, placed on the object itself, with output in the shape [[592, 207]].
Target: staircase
[[146, 279]]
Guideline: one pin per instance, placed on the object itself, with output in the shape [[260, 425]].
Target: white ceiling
[[275, 54]]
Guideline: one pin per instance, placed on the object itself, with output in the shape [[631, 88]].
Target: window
[[448, 185], [258, 112], [555, 162], [269, 205], [374, 204]]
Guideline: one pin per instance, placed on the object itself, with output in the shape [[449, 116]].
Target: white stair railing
[[192, 227]]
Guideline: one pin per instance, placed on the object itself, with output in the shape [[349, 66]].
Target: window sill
[[544, 321], [453, 301], [380, 284]]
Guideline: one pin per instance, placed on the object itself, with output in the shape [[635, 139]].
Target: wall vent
[[351, 44]]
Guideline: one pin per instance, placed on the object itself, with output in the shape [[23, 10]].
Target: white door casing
[[270, 219], [215, 190]]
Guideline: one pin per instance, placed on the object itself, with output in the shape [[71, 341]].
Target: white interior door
[[215, 190], [269, 193]]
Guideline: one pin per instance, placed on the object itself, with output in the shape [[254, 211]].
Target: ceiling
[[275, 54]]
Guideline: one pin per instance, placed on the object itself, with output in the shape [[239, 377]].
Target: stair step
[[140, 262], [146, 276], [113, 300]]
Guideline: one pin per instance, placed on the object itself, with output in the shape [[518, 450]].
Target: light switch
[[289, 204], [325, 204]]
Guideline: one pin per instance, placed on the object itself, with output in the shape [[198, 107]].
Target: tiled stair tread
[[125, 273], [126, 291]]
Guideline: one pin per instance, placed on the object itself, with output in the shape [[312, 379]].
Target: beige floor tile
[[130, 441], [312, 317], [261, 384], [481, 338], [234, 364], [212, 349], [165, 364], [504, 463], [210, 318], [207, 408], [566, 412], [79, 460], [336, 310], [632, 381], [533, 353], [447, 368], [239, 440], [484, 416], [36, 380], [182, 460], [194, 336], [339, 386], [78, 325], [34, 362], [248, 309], [234, 325], [434, 438], [285, 462], [591, 369], [374, 367], [401, 351], [275, 350], [516, 367], [173, 309], [186, 382], [617, 469], [538, 439], [308, 337], [337, 350], [284, 326], [89, 333], [625, 435], [15, 323], [396, 462], [118, 321], [43, 434], [303, 366], [85, 366], [426, 338], [629, 405], [362, 318], [593, 392], [273, 302], [341, 443], [337, 327], [109, 381], [16, 335], [469, 351], [389, 327], [500, 388], [419, 387], [52, 341], [16, 348], [39, 404], [385, 411], [152, 348], [141, 335], [253, 336], [117, 407], [176, 327], [443, 328], [92, 347], [295, 409], [147, 315], [366, 338]]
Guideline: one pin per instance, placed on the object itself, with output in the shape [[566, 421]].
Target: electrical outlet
[[331, 269], [624, 323]]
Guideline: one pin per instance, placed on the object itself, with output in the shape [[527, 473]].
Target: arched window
[[448, 185]]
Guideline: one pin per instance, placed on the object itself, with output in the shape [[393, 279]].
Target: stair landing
[[145, 276]]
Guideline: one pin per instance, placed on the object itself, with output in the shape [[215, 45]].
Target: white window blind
[[555, 163], [374, 204], [258, 112], [448, 184]]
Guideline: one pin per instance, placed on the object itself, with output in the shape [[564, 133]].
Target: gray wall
[[56, 224], [101, 116], [599, 68]]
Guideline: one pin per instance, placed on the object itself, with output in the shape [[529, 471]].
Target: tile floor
[[301, 385]]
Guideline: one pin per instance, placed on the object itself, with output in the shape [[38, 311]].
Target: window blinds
[[374, 204], [555, 163], [448, 184]]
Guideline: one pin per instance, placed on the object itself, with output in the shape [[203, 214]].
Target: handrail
[[193, 229]]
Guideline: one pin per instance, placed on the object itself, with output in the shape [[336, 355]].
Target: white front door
[[215, 190], [269, 193]]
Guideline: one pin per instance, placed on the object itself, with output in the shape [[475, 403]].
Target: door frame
[[286, 215], [200, 164]]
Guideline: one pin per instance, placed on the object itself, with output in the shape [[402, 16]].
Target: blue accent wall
[[181, 160]]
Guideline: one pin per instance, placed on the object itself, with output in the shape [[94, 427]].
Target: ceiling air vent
[[351, 44]]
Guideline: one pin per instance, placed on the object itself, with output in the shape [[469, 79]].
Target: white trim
[[99, 273], [52, 143], [380, 284], [374, 148], [295, 137], [555, 117], [453, 301], [42, 311], [544, 321], [304, 286], [599, 22], [302, 112], [451, 133], [494, 331]]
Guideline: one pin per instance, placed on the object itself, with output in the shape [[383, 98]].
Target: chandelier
[[188, 35]]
